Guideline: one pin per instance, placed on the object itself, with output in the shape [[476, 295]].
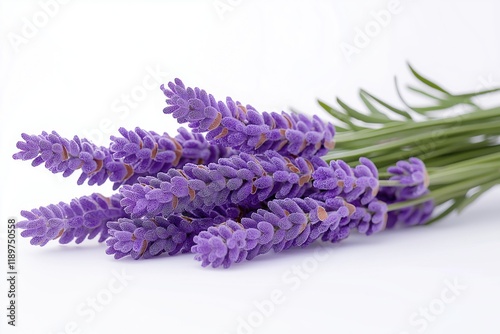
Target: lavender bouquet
[[241, 183]]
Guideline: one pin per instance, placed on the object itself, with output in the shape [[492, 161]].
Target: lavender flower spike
[[339, 179], [247, 180], [413, 215], [244, 179], [143, 153], [62, 155], [413, 182], [149, 237], [137, 153], [413, 177], [367, 219], [233, 125], [82, 218], [287, 223]]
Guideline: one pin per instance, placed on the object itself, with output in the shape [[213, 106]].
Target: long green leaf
[[339, 115], [387, 105], [374, 111], [375, 119], [427, 81], [419, 91]]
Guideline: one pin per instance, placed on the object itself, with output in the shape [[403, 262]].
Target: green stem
[[451, 175], [474, 161], [494, 126], [454, 148], [426, 152], [444, 194], [467, 155], [390, 183], [396, 128]]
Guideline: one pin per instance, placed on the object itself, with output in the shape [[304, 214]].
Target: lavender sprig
[[82, 218], [409, 180], [62, 155], [246, 180], [150, 237], [146, 153], [137, 153], [339, 179], [231, 124], [412, 178], [242, 179], [416, 214], [286, 223]]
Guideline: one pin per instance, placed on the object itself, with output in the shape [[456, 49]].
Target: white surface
[[71, 75]]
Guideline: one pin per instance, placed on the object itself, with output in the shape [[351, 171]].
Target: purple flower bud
[[413, 177], [366, 219], [413, 215], [413, 183], [223, 244], [339, 179], [245, 180], [138, 153], [149, 237], [82, 218], [231, 124], [61, 155], [286, 223]]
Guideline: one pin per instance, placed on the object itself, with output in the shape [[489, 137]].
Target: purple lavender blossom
[[413, 183], [148, 153], [149, 237], [244, 179], [61, 155], [367, 219], [82, 218], [413, 177], [339, 179], [248, 180], [413, 215], [138, 153], [228, 243], [243, 128], [286, 223]]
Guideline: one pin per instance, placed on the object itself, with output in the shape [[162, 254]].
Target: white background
[[70, 74]]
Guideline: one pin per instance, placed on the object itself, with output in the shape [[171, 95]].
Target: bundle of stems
[[461, 151]]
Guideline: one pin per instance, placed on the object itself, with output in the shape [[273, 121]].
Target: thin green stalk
[[390, 183], [494, 126], [444, 194], [467, 155], [426, 151], [475, 161], [451, 175], [398, 128]]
